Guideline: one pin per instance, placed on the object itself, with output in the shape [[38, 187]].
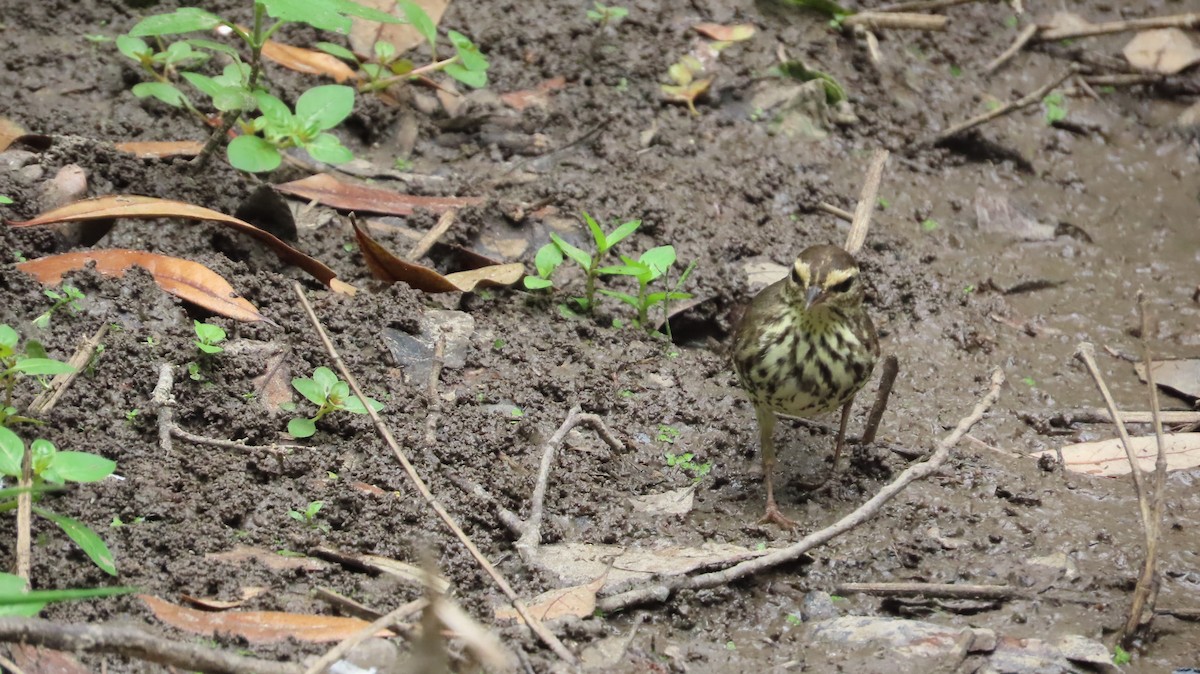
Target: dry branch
[[923, 5], [897, 21], [658, 592], [866, 203], [938, 590], [431, 237], [891, 367], [1022, 39], [1025, 101], [836, 212], [1184, 21]]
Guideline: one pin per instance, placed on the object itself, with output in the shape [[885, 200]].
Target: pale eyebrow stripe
[[838, 275]]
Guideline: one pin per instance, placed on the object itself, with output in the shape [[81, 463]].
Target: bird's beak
[[811, 296]]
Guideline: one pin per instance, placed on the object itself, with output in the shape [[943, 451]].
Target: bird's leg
[[841, 434], [766, 437]]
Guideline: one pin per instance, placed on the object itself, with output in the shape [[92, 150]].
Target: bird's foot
[[775, 516]]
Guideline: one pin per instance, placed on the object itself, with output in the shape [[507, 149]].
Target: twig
[[1178, 417], [1185, 21], [866, 203], [534, 623], [1031, 98], [431, 237], [435, 401], [662, 591], [135, 643], [891, 367], [897, 20], [1022, 39], [46, 400], [836, 212], [384, 622], [923, 5], [942, 590], [359, 610], [10, 666], [1145, 593]]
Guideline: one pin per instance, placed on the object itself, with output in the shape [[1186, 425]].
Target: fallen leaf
[[187, 280], [674, 502], [273, 387], [686, 93], [404, 571], [257, 626], [578, 601], [9, 132], [156, 149], [735, 33], [330, 191], [364, 34], [132, 206], [1180, 376], [582, 562], [1065, 21], [368, 488], [760, 274], [40, 660], [995, 212], [538, 96], [388, 267], [308, 61], [1106, 458], [269, 559], [1166, 51], [248, 593]]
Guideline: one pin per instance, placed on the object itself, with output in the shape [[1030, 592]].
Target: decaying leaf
[[674, 502], [1106, 458], [131, 206], [257, 626], [1181, 375], [688, 85], [578, 601], [1166, 51], [762, 273], [156, 149], [388, 267], [735, 33], [9, 132], [538, 97], [364, 34], [995, 212], [271, 560], [187, 280], [335, 193], [578, 563], [208, 604], [308, 61], [404, 571]]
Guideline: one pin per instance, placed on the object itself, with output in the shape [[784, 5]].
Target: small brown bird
[[803, 348]]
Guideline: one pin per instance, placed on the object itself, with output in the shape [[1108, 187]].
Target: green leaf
[[581, 258], [183, 20], [468, 53], [622, 270], [824, 6], [324, 107], [134, 48], [384, 51], [204, 83], [325, 14], [655, 298], [41, 366], [252, 154], [547, 260], [15, 600], [658, 259], [230, 99], [167, 93], [235, 75], [80, 467], [624, 297], [327, 148], [337, 50], [537, 282], [208, 348], [325, 378], [420, 21], [472, 78], [208, 333], [12, 452], [210, 45], [8, 336], [312, 390], [354, 406], [623, 231], [181, 53], [276, 111], [302, 428], [597, 233], [84, 537]]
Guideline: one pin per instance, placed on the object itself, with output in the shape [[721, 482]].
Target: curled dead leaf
[[9, 132], [187, 280], [1106, 458], [161, 149], [326, 189], [386, 266], [308, 61], [735, 33], [257, 626], [578, 601]]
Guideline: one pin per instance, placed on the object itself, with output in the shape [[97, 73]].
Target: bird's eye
[[796, 277], [843, 286]]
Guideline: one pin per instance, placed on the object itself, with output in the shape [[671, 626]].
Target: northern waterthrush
[[803, 348]]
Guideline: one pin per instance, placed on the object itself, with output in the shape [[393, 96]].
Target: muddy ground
[[727, 188]]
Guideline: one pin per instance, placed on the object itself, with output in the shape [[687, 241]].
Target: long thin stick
[[662, 591], [923, 5], [897, 21], [891, 367], [1022, 39], [431, 237], [345, 645], [1027, 100], [866, 203], [1185, 21], [943, 590], [536, 625]]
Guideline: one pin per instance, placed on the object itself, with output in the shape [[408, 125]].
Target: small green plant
[[793, 619], [550, 256], [53, 467], [194, 373], [387, 67], [4, 200], [16, 364], [667, 434], [884, 204], [651, 265], [131, 416], [604, 15], [1055, 108], [929, 224], [68, 298], [684, 462], [117, 522], [309, 515], [208, 337], [329, 394], [1029, 381], [1121, 657], [17, 601]]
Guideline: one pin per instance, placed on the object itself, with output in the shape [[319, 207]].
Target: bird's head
[[824, 276]]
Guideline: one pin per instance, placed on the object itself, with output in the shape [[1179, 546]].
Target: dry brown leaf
[[257, 626], [40, 660], [404, 571], [673, 502], [274, 386], [1179, 375], [9, 132], [1106, 458], [1166, 51], [156, 149], [368, 488], [207, 604], [686, 93], [538, 96], [131, 206], [582, 562], [578, 601], [735, 33], [330, 191], [364, 34], [187, 280], [308, 61], [388, 267], [269, 559]]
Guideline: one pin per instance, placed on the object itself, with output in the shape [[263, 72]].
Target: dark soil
[[725, 191]]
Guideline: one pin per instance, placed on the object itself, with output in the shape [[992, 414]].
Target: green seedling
[[237, 93], [194, 373], [604, 15], [1121, 657], [687, 82], [1055, 108], [18, 363], [5, 200], [652, 264], [50, 466], [132, 415], [309, 515], [117, 522], [329, 394], [387, 67], [68, 298], [550, 256], [929, 224], [797, 70], [18, 601], [668, 434], [684, 462], [208, 337]]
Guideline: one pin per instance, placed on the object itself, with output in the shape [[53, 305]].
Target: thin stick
[[866, 203], [836, 212], [46, 400], [923, 5], [891, 367], [135, 643], [1037, 95], [434, 401], [662, 591], [942, 590], [1185, 21], [1018, 44], [10, 666], [897, 21], [431, 237], [536, 625], [1178, 417], [385, 622]]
